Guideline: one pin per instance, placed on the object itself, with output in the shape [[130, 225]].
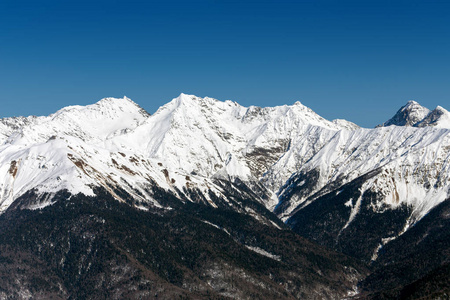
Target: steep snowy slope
[[40, 152], [285, 156], [209, 137], [191, 146], [364, 188], [359, 191], [220, 140], [10, 125], [93, 123], [413, 165]]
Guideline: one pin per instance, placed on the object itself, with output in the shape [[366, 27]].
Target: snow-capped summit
[[95, 122], [191, 143], [413, 114], [187, 141], [408, 115]]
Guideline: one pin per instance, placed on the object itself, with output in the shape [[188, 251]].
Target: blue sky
[[358, 60]]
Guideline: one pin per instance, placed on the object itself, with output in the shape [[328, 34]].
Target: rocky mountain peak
[[408, 115]]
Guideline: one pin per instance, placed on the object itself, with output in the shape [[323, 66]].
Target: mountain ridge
[[329, 181], [414, 114], [259, 145]]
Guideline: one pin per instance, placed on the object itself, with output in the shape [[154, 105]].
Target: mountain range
[[210, 199]]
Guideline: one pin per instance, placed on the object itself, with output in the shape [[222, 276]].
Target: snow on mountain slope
[[210, 137], [414, 166], [188, 134], [42, 166], [365, 188], [344, 124], [439, 117], [214, 139], [303, 146], [186, 145], [92, 123], [38, 152], [191, 143], [69, 163], [9, 125]]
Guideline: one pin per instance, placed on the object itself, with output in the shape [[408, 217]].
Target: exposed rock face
[[408, 115], [413, 114]]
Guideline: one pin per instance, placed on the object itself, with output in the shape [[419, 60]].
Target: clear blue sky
[[358, 60]]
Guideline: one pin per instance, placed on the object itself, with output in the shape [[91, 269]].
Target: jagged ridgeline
[[209, 199]]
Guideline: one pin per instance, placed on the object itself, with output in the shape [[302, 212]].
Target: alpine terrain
[[207, 199]]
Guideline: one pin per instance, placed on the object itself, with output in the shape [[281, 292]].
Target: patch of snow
[[216, 226], [40, 205], [264, 253], [349, 203]]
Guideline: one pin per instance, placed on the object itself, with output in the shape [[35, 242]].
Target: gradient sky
[[357, 60]]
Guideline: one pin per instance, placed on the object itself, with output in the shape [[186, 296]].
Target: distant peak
[[184, 96], [412, 105], [192, 100], [408, 115], [118, 102], [106, 106], [411, 102], [115, 100]]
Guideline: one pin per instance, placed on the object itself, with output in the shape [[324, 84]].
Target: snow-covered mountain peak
[[116, 103], [309, 117], [204, 137], [105, 107], [412, 103], [220, 153], [185, 99], [408, 115], [301, 106], [96, 122], [185, 103], [208, 137], [10, 125], [296, 115], [192, 107]]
